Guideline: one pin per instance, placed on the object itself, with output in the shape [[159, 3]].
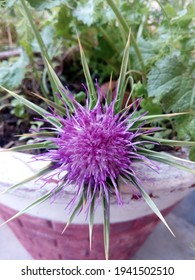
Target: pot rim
[[166, 188]]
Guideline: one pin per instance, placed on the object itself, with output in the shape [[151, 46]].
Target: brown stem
[[9, 53], [9, 34]]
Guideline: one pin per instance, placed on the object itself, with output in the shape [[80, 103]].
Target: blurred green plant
[[162, 52], [12, 72]]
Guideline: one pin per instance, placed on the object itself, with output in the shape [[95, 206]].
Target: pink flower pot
[[43, 239], [40, 230]]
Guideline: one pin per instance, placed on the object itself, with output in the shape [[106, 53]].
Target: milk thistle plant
[[92, 147]]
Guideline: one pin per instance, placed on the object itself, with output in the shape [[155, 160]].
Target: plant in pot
[[100, 160]]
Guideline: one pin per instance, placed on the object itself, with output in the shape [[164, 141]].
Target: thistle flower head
[[95, 147]]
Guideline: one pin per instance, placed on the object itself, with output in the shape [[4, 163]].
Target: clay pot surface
[[40, 230]]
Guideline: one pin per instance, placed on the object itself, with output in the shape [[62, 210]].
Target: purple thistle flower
[[95, 147]]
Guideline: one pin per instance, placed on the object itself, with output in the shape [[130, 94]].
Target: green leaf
[[109, 94], [126, 29], [47, 34], [34, 107], [58, 85], [152, 205], [166, 159], [35, 29], [122, 77], [34, 204], [169, 142], [187, 14], [35, 146], [3, 3], [185, 127], [42, 4], [12, 73], [172, 83], [42, 135], [44, 51], [63, 26], [149, 106], [149, 50], [91, 219], [90, 85], [18, 109], [85, 12], [59, 109], [106, 211], [152, 118], [170, 11], [80, 96], [118, 14], [75, 211], [7, 3], [192, 154]]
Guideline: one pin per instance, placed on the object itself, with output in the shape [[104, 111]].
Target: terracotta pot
[[40, 230]]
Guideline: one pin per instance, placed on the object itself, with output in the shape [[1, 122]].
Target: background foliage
[[164, 32]]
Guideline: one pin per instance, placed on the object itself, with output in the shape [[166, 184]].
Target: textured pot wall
[[40, 230], [166, 188], [43, 238]]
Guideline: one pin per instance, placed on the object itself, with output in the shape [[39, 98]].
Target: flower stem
[[41, 44], [126, 29]]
